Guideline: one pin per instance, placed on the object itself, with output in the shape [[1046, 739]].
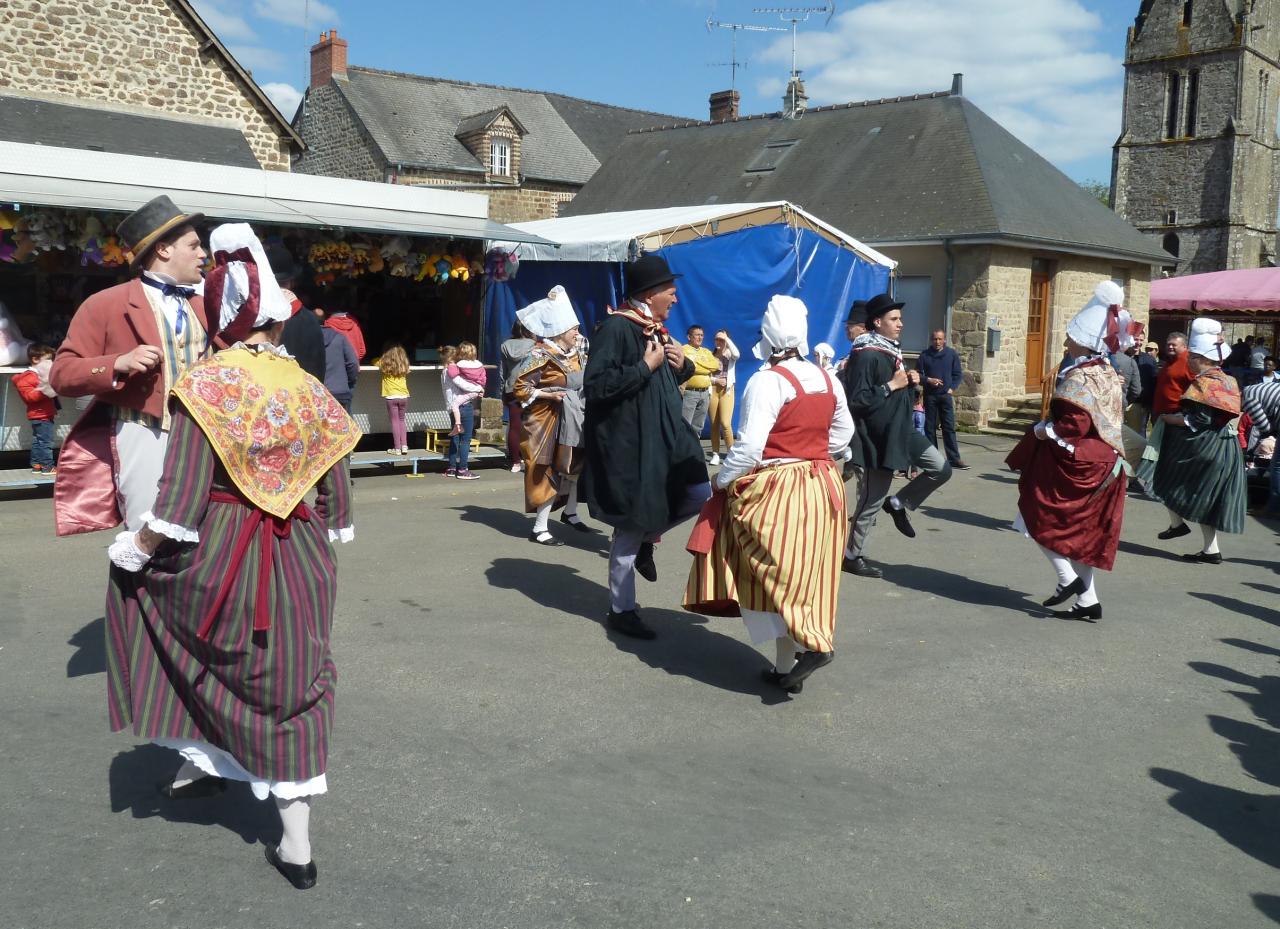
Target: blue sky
[[1050, 71]]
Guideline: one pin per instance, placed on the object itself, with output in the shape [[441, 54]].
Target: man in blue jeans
[[940, 375]]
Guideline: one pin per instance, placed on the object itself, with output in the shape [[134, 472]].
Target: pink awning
[[1249, 289]]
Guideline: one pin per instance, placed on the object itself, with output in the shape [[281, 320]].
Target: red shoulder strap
[[795, 382]]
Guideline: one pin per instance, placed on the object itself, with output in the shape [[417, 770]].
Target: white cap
[[272, 306], [1206, 340], [549, 316], [785, 325], [1089, 326], [824, 351]]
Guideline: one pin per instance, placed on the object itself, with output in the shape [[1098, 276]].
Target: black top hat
[[646, 272], [857, 312], [144, 227], [880, 304], [282, 264]]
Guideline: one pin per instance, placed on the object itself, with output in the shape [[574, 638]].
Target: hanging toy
[[459, 269]]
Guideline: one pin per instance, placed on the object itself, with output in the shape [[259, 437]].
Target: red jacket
[[348, 326], [1171, 383], [38, 405]]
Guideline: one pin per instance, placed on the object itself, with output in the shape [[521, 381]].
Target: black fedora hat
[[145, 226], [857, 312], [646, 272], [283, 265], [880, 304]]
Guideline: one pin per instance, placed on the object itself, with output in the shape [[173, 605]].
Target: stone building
[[994, 244], [138, 77], [529, 151], [1195, 166]]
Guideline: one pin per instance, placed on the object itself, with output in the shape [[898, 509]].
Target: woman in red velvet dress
[[1073, 473]]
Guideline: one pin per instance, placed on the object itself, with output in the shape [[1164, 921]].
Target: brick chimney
[[724, 105], [328, 59]]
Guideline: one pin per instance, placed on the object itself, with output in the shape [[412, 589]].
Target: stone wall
[[135, 53], [507, 204], [337, 145]]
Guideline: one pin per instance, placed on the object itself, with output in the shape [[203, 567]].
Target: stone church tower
[[1197, 164]]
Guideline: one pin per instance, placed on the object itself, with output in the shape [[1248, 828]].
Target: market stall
[[733, 258], [407, 262], [1245, 301]]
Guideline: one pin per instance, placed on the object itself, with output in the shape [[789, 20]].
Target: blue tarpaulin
[[727, 282]]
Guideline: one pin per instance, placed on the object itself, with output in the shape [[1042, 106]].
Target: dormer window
[[500, 157]]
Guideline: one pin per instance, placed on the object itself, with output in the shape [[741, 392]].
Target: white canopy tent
[[622, 236]]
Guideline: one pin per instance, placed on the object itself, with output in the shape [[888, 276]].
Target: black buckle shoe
[[901, 520], [629, 623], [1174, 532], [549, 540], [301, 876], [806, 665], [1088, 613], [1063, 594], [769, 676], [201, 787], [861, 567], [644, 562], [1204, 557], [579, 525]]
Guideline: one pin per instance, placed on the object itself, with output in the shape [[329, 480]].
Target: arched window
[[1173, 86], [1193, 101], [1186, 12], [1170, 244]]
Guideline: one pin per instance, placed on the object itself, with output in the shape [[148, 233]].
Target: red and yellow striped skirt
[[778, 548]]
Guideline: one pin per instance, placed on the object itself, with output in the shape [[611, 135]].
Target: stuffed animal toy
[[90, 241], [459, 268], [48, 231], [8, 248], [8, 219], [113, 255], [13, 347], [376, 261], [395, 247], [427, 269], [440, 270]]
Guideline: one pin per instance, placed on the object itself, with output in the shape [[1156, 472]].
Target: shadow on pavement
[[133, 778], [980, 520], [958, 587], [1000, 477], [1243, 607], [685, 646], [1252, 646], [1265, 588], [1134, 548], [90, 656], [1268, 905], [519, 525]]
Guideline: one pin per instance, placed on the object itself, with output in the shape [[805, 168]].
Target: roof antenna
[[796, 15], [733, 64]]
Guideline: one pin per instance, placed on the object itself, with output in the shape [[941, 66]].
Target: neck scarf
[[876, 342], [638, 313]]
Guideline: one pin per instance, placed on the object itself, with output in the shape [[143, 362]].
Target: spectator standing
[[460, 393], [338, 318], [1126, 366], [723, 385], [512, 353], [1269, 369], [697, 390], [1174, 377], [1258, 356], [394, 365], [1139, 414], [940, 375], [42, 405], [303, 334], [341, 369]]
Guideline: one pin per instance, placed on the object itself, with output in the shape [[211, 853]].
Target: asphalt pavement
[[500, 761]]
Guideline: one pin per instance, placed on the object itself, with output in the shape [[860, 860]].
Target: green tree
[[1099, 190]]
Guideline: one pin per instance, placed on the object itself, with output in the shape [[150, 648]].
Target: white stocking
[[1174, 519], [787, 649], [544, 514], [1210, 539], [1060, 565], [571, 505], [1085, 573], [295, 843]]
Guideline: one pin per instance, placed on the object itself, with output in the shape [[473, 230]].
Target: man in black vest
[[877, 385], [645, 470]]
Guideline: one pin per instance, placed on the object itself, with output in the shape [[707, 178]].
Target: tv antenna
[[733, 64], [795, 15]]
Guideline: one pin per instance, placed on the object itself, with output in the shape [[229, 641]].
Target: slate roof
[[413, 119], [911, 169], [38, 122], [485, 120]]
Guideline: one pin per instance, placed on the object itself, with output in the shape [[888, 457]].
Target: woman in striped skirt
[[769, 544], [218, 626]]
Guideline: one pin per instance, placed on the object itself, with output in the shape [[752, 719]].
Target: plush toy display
[[13, 347]]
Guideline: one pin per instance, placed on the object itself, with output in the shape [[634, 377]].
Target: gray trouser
[[873, 490], [694, 408], [627, 542]]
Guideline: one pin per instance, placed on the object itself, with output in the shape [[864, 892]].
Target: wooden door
[[1037, 323]]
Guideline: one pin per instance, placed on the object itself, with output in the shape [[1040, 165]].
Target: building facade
[[1196, 164]]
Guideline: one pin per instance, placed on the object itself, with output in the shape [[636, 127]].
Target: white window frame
[[500, 157]]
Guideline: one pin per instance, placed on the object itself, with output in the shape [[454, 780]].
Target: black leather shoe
[[901, 520], [198, 789], [1204, 557], [770, 676], [629, 623], [1174, 532], [551, 540], [806, 665], [1063, 594], [579, 525], [959, 466], [644, 562], [861, 567], [1088, 613], [301, 876]]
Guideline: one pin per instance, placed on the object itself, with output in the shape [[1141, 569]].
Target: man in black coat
[[877, 386], [302, 337], [645, 470]]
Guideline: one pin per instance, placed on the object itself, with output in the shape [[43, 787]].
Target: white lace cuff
[[169, 530], [1050, 434], [343, 535], [124, 553]]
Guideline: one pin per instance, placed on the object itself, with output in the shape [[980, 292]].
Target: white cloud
[[286, 97], [257, 58], [311, 13], [225, 23], [1035, 67]]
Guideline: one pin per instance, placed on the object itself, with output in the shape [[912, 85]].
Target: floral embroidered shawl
[[1216, 390], [1096, 388], [275, 428]]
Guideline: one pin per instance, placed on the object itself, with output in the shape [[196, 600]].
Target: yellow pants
[[721, 415]]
